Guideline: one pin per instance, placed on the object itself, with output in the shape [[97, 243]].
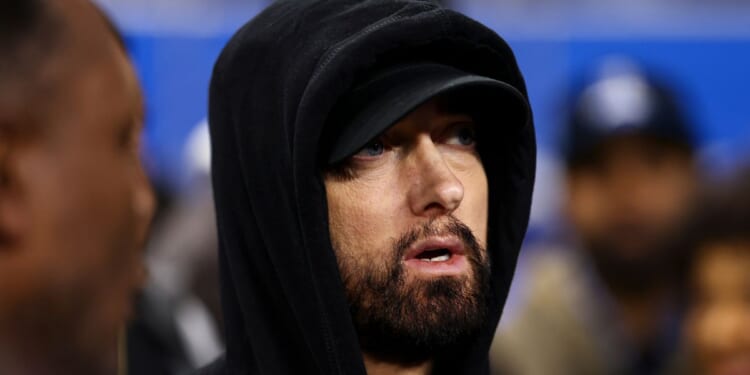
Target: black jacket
[[272, 90]]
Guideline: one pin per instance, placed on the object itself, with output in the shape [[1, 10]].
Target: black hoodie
[[273, 88]]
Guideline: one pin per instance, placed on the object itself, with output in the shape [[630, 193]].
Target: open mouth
[[438, 255]]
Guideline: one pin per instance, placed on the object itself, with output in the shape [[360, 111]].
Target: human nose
[[434, 188]]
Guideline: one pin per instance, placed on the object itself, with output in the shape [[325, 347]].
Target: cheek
[[586, 206], [361, 216], [89, 213], [106, 232], [104, 201], [668, 196], [78, 201], [474, 207], [81, 236]]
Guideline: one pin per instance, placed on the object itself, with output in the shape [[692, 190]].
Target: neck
[[378, 367]]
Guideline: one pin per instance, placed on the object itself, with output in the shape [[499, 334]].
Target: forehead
[[629, 147]]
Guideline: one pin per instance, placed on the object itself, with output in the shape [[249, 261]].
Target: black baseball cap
[[390, 94]]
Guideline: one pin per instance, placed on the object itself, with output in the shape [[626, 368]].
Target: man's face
[[719, 319], [408, 223], [627, 198], [87, 204]]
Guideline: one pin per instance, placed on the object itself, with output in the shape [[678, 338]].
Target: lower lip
[[454, 266]]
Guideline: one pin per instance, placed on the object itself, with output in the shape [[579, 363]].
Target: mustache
[[452, 226]]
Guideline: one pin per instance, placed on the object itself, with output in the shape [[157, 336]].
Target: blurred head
[[630, 176], [74, 199], [719, 315]]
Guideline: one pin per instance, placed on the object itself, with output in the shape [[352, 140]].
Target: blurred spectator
[[719, 315], [74, 200], [606, 299]]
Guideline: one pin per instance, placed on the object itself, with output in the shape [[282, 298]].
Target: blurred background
[[698, 49]]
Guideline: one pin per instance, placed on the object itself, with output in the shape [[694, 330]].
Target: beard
[[410, 320]]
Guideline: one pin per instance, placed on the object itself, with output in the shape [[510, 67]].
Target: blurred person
[[718, 323], [606, 299], [74, 200], [373, 163]]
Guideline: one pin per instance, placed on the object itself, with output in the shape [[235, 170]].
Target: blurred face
[[86, 205], [719, 319], [626, 200], [408, 222]]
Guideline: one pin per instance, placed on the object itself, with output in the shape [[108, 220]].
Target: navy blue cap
[[624, 103]]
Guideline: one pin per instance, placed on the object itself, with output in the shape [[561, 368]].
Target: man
[[373, 163], [74, 199], [607, 300]]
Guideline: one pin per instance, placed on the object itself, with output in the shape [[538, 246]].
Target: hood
[[273, 87]]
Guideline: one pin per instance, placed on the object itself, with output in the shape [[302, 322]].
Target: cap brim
[[381, 102]]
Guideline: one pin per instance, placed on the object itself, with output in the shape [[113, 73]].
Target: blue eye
[[465, 135], [372, 149]]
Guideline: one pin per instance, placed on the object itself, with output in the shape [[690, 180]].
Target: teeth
[[441, 258]]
